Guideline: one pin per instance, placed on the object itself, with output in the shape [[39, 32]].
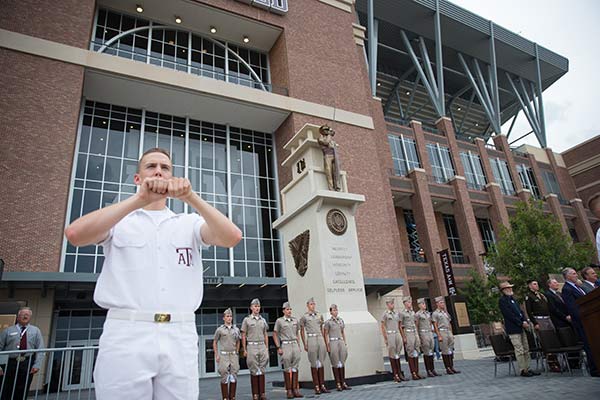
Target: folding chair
[[551, 344], [503, 348]]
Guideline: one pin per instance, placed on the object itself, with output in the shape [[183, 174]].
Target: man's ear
[[137, 179]]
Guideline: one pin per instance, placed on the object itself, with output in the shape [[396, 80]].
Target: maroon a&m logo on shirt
[[184, 255]]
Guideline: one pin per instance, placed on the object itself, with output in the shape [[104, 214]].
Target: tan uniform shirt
[[227, 337], [312, 322], [287, 328], [334, 327], [390, 319], [408, 319], [255, 328], [442, 318]]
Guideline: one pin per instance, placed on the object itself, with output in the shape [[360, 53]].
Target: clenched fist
[[179, 188], [155, 188]]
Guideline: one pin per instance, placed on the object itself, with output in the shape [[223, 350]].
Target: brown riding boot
[[255, 387], [224, 391], [394, 366], [433, 367], [428, 360], [232, 387], [451, 359], [417, 368], [446, 360], [261, 385], [315, 378], [343, 379], [322, 380], [336, 376], [288, 384], [296, 385], [400, 372], [411, 367]]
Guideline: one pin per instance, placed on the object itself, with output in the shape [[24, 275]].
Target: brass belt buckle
[[160, 318]]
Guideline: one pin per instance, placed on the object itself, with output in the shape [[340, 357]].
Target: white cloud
[[570, 29]]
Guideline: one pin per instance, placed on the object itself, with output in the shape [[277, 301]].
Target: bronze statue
[[330, 159]]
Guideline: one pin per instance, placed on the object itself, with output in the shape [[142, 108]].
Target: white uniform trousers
[[147, 360]]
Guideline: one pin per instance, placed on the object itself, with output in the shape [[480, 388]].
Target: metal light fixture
[[407, 92], [459, 108], [246, 39], [139, 8], [213, 30], [378, 83], [177, 19]]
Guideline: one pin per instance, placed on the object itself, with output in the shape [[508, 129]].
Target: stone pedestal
[[332, 273], [465, 347]]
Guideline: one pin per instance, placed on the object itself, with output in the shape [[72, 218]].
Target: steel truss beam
[[480, 88], [534, 114]]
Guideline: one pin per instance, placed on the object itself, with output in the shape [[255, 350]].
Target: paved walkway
[[475, 382]]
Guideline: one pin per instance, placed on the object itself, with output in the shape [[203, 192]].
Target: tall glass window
[[169, 47], [552, 185], [473, 170], [417, 254], [404, 154], [502, 176], [487, 233], [528, 180], [441, 162], [111, 141], [456, 251]]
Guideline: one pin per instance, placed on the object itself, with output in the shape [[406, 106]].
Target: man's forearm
[[221, 231], [93, 227]]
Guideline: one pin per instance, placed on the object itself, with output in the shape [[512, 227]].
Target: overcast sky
[[571, 29]]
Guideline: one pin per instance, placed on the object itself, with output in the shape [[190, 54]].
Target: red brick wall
[[40, 106], [590, 148], [65, 21]]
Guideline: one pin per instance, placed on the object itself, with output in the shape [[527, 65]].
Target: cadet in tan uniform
[[335, 340], [390, 329], [443, 328], [285, 336], [423, 320], [226, 346], [255, 343], [410, 337], [311, 328]]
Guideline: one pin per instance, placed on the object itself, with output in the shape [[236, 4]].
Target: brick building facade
[[87, 86]]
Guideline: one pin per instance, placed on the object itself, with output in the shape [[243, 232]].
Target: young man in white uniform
[[151, 283]]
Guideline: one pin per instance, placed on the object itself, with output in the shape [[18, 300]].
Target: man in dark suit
[[556, 305], [590, 279], [515, 324], [570, 293]]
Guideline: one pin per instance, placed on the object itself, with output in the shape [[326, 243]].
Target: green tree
[[534, 247], [482, 298]]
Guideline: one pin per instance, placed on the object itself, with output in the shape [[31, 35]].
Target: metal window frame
[[186, 160]]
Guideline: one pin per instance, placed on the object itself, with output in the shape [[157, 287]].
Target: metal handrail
[[55, 379]]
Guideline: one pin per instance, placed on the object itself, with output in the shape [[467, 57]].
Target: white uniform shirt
[[152, 267]]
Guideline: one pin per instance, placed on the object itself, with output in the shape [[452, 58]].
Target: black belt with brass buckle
[[160, 318]]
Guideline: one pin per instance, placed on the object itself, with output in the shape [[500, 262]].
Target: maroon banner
[[448, 273]]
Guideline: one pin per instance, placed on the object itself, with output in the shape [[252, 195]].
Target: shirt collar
[[591, 283], [255, 317]]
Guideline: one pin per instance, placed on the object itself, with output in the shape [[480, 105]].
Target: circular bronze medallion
[[337, 222]]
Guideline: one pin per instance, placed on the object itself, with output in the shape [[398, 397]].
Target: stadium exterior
[[421, 93]]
